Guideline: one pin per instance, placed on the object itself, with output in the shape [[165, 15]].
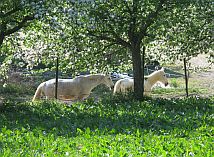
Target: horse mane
[[93, 77], [154, 73]]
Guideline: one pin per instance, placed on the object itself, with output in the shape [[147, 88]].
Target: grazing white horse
[[72, 89], [127, 84]]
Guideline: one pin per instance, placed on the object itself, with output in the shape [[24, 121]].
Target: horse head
[[162, 77]]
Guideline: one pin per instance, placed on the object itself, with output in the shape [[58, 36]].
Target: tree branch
[[116, 39], [107, 46], [20, 25], [127, 7], [4, 32], [132, 25], [2, 15], [2, 35], [150, 19]]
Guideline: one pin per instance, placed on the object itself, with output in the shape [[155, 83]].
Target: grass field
[[167, 124], [109, 127]]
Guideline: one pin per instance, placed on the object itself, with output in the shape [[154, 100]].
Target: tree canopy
[[184, 26], [103, 35]]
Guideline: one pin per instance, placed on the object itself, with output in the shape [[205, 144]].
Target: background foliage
[[100, 36]]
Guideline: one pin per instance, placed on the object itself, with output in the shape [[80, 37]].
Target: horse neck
[[95, 81], [152, 79]]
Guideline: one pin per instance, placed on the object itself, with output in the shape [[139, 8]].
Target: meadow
[[166, 124], [111, 126]]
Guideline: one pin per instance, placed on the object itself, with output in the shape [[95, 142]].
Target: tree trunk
[[137, 71]]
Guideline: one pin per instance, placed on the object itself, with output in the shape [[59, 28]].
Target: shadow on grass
[[111, 115]]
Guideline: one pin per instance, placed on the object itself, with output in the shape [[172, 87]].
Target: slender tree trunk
[[57, 74], [186, 77], [137, 71]]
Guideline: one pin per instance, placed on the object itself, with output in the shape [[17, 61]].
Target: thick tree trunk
[[137, 71]]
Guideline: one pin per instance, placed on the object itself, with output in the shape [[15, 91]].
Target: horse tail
[[38, 92], [117, 87]]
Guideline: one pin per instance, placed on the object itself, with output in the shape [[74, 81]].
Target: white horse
[[78, 88], [127, 84]]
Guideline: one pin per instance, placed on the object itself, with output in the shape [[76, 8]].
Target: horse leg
[[123, 88]]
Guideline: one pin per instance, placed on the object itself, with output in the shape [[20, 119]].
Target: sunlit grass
[[110, 127], [178, 89]]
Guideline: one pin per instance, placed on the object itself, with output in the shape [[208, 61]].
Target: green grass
[[177, 89], [12, 90], [175, 92], [111, 127]]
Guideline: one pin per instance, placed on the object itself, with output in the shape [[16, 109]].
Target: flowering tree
[[92, 35], [188, 34], [132, 24], [23, 31], [122, 23], [13, 17]]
